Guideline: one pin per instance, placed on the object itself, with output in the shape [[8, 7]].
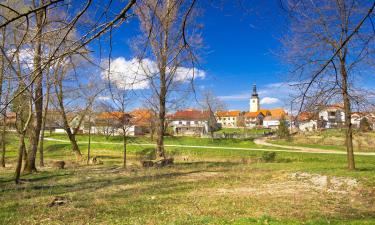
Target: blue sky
[[240, 51]]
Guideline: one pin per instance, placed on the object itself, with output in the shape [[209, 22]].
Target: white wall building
[[332, 116]]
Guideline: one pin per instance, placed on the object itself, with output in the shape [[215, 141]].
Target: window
[[180, 122]]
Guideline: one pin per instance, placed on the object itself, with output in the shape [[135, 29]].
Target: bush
[[283, 129], [269, 156], [364, 125], [146, 154]]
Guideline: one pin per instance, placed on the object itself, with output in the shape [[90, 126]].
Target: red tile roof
[[190, 114], [252, 114], [233, 113]]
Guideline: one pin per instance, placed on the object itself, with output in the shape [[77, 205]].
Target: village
[[179, 112], [195, 122]]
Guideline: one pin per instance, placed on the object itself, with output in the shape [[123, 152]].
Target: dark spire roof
[[255, 94]]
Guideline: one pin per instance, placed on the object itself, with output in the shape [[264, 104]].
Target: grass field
[[205, 186], [331, 139], [242, 131]]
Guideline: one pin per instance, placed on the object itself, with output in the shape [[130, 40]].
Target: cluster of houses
[[196, 122]]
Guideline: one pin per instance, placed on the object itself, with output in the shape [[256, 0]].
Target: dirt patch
[[277, 189], [297, 184], [330, 184]]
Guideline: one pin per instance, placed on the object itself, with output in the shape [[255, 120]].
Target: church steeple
[[255, 94], [254, 100]]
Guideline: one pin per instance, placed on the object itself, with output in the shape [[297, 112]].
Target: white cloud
[[134, 73], [269, 100]]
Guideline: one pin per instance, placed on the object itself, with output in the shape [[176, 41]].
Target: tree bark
[[348, 116], [89, 144], [21, 151], [38, 97], [3, 147], [160, 152], [124, 146], [73, 142], [41, 144]]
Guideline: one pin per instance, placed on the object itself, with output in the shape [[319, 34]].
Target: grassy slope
[[291, 143], [183, 194], [329, 133]]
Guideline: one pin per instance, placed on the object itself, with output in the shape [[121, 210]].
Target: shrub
[[283, 129], [364, 125], [269, 156]]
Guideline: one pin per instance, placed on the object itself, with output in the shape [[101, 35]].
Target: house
[[253, 119], [274, 121], [143, 121], [190, 122], [358, 116], [332, 116], [228, 118], [307, 121], [110, 124]]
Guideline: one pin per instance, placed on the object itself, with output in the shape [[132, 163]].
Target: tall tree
[[328, 44], [38, 89], [166, 25]]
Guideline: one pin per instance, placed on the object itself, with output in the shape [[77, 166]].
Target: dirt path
[[262, 142]]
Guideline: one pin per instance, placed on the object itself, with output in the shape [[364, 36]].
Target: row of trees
[[46, 63]]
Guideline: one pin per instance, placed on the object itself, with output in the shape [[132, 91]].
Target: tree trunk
[[3, 147], [41, 149], [160, 151], [124, 145], [73, 142], [347, 111], [41, 144], [38, 97], [21, 151], [89, 144], [3, 144]]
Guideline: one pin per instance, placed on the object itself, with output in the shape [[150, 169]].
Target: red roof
[[190, 114], [253, 114], [233, 113], [141, 117], [305, 116]]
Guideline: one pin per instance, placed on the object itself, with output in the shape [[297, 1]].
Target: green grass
[[189, 192], [242, 131], [291, 143]]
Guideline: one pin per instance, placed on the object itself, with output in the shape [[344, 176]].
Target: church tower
[[254, 100]]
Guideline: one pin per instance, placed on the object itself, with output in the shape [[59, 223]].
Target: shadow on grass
[[87, 183], [57, 147]]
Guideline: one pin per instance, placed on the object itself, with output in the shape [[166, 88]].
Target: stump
[[57, 201], [95, 161], [147, 164], [164, 162], [59, 165]]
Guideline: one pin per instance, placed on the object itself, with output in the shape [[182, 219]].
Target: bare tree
[[166, 26], [329, 44], [212, 105]]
